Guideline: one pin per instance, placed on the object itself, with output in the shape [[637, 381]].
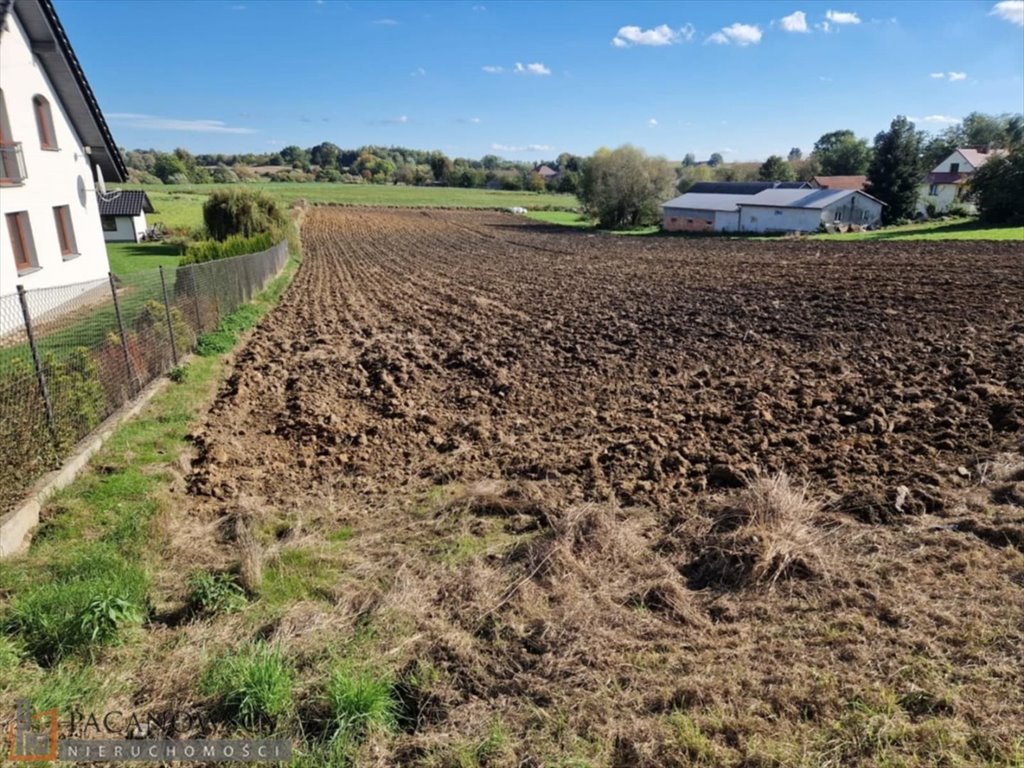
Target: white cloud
[[521, 148], [386, 22], [740, 34], [652, 122], [937, 75], [493, 70], [479, 7], [402, 120], [237, 7], [795, 22], [942, 119], [156, 123], [531, 69], [471, 120], [1009, 10], [660, 35], [418, 72], [957, 76], [842, 17], [823, 26]]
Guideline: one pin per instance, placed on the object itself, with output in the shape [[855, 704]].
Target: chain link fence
[[73, 354]]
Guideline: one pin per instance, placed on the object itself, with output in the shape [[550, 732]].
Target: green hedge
[[211, 250]]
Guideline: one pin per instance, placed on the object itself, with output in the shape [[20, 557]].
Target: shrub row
[[236, 245]]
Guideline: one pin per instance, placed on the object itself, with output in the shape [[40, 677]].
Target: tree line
[[327, 162]]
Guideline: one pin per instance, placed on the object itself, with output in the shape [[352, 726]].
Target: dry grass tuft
[[763, 534]]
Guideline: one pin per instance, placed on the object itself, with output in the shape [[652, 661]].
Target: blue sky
[[527, 80]]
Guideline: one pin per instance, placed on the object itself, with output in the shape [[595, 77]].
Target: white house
[[944, 185], [123, 215], [772, 209], [52, 138]]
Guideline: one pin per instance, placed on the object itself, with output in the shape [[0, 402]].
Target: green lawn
[[181, 205], [126, 258], [575, 220], [953, 229]]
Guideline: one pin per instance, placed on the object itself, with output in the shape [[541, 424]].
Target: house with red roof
[[945, 186]]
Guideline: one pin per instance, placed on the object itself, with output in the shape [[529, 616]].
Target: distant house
[[123, 215], [546, 172], [944, 186], [53, 143], [859, 183], [775, 209]]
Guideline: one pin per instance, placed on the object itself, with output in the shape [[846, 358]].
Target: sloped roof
[[52, 48], [546, 170], [802, 198], [743, 187], [127, 202], [841, 182], [977, 158], [707, 202]]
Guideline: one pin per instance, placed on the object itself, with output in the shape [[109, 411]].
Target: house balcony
[[12, 165]]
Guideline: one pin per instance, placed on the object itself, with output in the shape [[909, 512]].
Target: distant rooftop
[[841, 182], [128, 202], [778, 197], [743, 187]]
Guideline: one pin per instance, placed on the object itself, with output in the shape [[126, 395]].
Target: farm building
[[840, 182], [123, 215], [944, 186], [796, 210], [776, 209], [546, 172]]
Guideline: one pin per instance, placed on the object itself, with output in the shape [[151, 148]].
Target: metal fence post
[[167, 311], [124, 336], [40, 375]]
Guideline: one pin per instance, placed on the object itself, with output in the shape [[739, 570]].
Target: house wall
[[727, 221], [755, 218], [53, 177], [687, 220], [946, 197], [946, 165], [130, 229]]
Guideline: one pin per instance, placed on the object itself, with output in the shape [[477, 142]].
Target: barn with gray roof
[[776, 208]]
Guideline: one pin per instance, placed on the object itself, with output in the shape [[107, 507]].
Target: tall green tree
[[894, 173], [624, 187], [776, 169], [998, 189], [716, 159], [841, 153], [795, 154]]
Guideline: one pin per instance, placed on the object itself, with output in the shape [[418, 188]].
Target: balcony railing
[[12, 164]]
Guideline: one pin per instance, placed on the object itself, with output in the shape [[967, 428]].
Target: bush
[[254, 684], [237, 245], [93, 599], [213, 593], [245, 212]]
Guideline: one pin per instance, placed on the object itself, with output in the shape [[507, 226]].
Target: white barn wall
[[130, 229], [60, 177]]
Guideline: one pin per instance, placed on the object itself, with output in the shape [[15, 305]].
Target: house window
[[839, 214], [954, 167], [65, 233], [109, 223], [778, 213], [933, 190], [44, 121], [21, 241]]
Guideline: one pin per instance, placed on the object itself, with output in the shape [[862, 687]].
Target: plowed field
[[525, 434]]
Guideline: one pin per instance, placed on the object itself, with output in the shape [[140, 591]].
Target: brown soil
[[529, 430]]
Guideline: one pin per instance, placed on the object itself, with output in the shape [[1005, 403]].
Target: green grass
[[562, 218], [955, 229], [254, 684], [181, 206], [83, 583], [214, 593], [360, 702], [127, 258]]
